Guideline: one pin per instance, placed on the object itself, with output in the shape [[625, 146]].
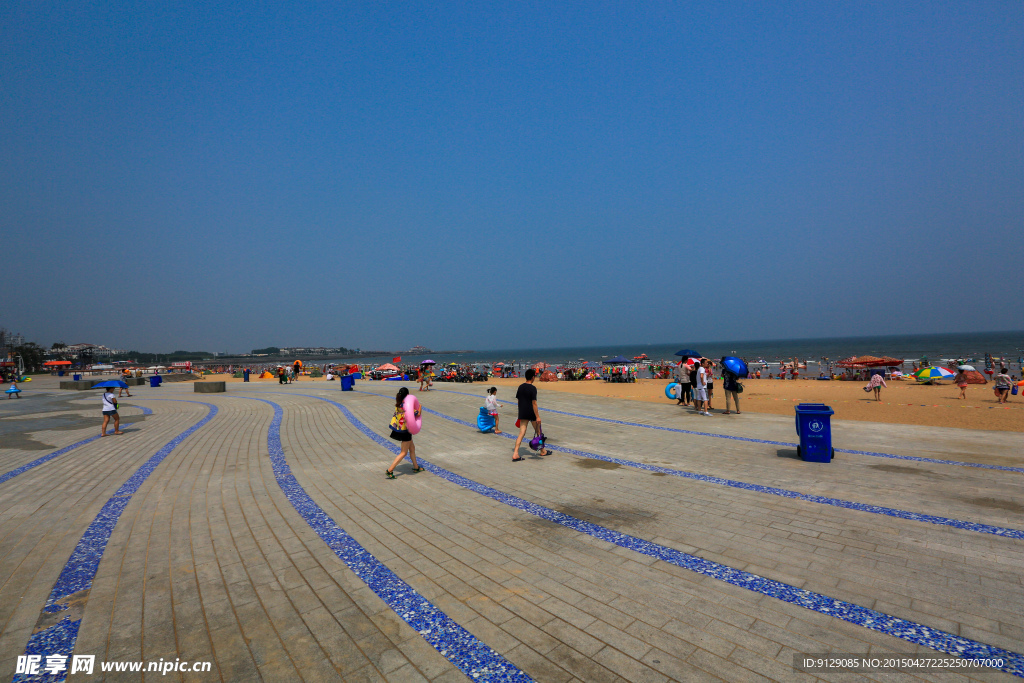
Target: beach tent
[[869, 362], [266, 375], [548, 376], [618, 360], [975, 377]]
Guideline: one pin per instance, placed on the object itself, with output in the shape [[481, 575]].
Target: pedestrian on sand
[[701, 388], [683, 377], [400, 433], [1003, 384], [529, 413], [731, 385], [876, 384], [711, 383], [491, 402], [961, 381], [110, 410]]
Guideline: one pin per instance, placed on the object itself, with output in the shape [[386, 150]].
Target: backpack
[[398, 420]]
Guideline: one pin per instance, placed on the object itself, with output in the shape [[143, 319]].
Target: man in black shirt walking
[[528, 412]]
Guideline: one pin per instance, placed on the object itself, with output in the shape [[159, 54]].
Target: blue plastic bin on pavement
[[347, 382], [155, 380], [76, 378], [814, 427]]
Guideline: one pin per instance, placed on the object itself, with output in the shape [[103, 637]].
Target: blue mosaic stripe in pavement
[[460, 647], [919, 634], [771, 490], [56, 454], [71, 591], [873, 454]]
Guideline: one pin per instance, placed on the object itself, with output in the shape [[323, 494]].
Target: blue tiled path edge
[[71, 591], [460, 647], [46, 458], [919, 634]]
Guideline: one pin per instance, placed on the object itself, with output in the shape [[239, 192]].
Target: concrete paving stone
[[211, 524], [627, 667]]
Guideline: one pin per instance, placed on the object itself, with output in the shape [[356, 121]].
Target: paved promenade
[[255, 531]]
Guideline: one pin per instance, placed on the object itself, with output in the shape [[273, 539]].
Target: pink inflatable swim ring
[[413, 419]]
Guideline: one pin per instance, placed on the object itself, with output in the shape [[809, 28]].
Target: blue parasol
[[735, 365], [618, 360], [110, 383], [689, 353]]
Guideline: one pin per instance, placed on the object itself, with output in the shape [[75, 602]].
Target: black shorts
[[110, 412], [401, 436], [527, 418]]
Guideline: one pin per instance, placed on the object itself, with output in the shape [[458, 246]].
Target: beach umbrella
[[453, 365], [689, 353], [618, 360], [965, 367], [932, 373], [541, 366], [735, 365], [428, 362], [111, 383]]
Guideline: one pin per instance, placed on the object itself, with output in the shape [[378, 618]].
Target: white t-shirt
[[491, 402], [108, 401], [702, 380]]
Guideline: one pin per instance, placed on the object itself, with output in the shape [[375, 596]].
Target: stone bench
[[209, 387], [80, 384]]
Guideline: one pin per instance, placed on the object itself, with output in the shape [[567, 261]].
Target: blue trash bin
[[347, 382], [154, 382], [814, 427], [60, 373], [76, 378]]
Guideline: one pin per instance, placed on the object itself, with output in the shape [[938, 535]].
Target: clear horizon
[[484, 176]]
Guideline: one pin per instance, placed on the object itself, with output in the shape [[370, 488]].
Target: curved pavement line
[[873, 454], [460, 647], [1005, 532], [56, 631], [912, 632], [46, 458]]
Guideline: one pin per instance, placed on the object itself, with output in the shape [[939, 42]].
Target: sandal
[[517, 459], [418, 469], [389, 474]]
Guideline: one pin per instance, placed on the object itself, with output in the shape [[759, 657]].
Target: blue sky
[[476, 175]]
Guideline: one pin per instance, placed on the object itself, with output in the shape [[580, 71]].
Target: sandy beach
[[903, 402]]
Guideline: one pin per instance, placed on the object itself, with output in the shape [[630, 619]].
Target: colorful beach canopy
[[618, 360], [933, 372], [869, 362]]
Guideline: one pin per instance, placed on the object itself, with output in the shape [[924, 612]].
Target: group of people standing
[[697, 386]]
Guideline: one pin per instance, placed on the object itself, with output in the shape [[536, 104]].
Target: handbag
[[1014, 390], [739, 387]]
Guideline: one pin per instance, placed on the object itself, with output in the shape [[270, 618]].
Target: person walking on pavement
[[400, 433], [110, 411], [529, 413]]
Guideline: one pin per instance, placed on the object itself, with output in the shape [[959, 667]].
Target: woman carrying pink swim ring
[[405, 422]]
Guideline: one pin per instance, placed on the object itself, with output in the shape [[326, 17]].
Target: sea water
[[936, 348]]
